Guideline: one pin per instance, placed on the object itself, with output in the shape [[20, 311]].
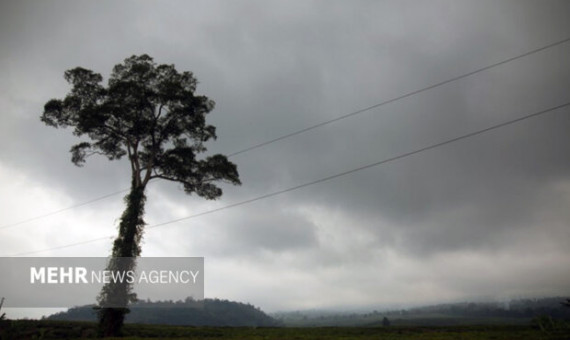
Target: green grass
[[33, 329]]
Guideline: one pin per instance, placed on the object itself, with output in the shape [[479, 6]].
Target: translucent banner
[[36, 282]]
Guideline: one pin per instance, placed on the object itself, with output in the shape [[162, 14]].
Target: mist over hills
[[520, 311], [224, 313]]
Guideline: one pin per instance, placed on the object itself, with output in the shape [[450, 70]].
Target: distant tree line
[[514, 311], [521, 308], [209, 312]]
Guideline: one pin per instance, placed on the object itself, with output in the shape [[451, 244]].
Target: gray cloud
[[277, 68]]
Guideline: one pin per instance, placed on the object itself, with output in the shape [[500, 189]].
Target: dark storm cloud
[[280, 67]]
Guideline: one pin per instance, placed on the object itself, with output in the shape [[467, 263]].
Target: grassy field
[[32, 329]]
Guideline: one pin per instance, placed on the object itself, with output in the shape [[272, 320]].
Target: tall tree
[[151, 114]]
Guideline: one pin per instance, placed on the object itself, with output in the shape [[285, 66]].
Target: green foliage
[[125, 250]]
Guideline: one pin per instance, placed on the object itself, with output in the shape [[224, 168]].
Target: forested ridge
[[209, 312]]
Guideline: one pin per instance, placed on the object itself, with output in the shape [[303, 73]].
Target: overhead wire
[[327, 178], [406, 95], [63, 209], [318, 125]]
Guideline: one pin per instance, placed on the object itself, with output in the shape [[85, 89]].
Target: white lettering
[[80, 275], [96, 276], [106, 276], [194, 275], [58, 275], [187, 275], [173, 277], [153, 275], [143, 278], [52, 275], [130, 276], [65, 274], [118, 276], [37, 274]]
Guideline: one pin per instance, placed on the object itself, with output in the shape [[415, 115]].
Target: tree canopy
[[149, 113]]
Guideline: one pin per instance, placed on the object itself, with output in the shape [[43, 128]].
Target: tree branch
[[154, 148], [159, 112], [136, 162], [114, 131], [172, 179], [94, 153], [130, 153]]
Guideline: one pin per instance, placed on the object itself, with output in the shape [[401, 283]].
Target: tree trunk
[[115, 296]]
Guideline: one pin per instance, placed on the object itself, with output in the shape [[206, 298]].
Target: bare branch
[[159, 112], [172, 179], [89, 154]]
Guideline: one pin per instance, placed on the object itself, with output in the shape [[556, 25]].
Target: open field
[[31, 329]]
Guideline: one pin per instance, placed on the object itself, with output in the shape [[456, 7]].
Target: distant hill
[[521, 308], [513, 312], [215, 312], [212, 312]]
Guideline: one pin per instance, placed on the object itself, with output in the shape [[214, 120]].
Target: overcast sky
[[483, 218]]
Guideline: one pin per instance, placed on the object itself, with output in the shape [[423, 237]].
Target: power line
[[318, 125], [409, 94], [324, 179], [63, 246], [62, 210]]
